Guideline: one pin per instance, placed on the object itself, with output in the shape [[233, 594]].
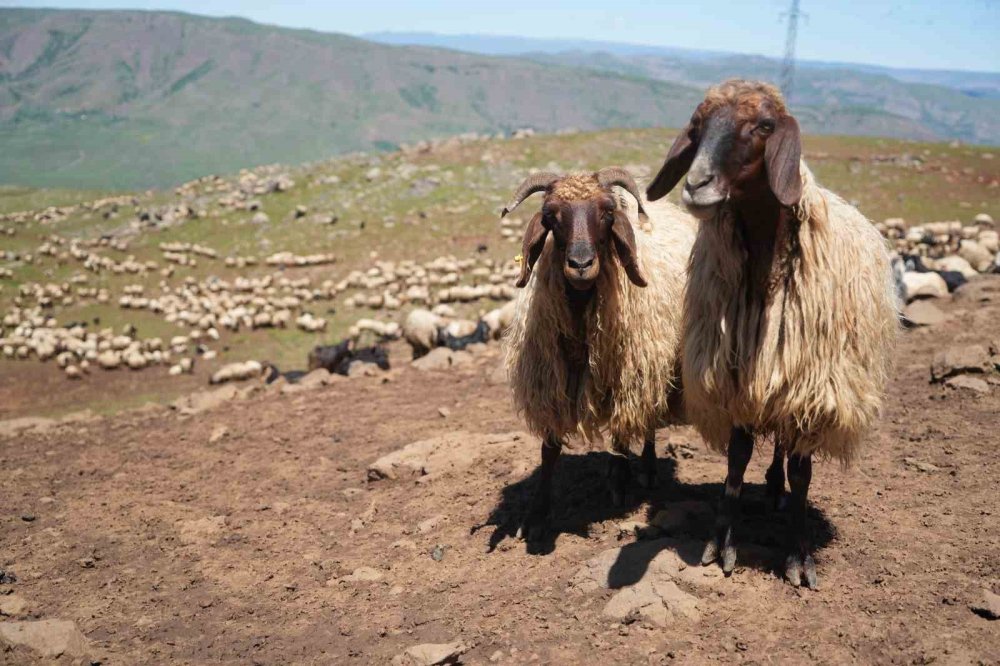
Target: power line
[[788, 64]]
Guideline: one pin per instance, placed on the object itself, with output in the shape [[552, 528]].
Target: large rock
[[987, 607], [47, 638], [648, 576], [958, 361], [430, 458], [657, 601], [664, 559], [924, 285]]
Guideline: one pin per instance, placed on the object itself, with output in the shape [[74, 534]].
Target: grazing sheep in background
[[481, 334], [337, 359], [420, 329], [790, 310], [591, 348]]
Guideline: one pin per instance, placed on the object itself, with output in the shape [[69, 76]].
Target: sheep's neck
[[574, 347], [761, 225]]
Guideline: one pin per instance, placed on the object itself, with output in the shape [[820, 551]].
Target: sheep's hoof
[[724, 555], [646, 480], [533, 528], [776, 501], [800, 570]]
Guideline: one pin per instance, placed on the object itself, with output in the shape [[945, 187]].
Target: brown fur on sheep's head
[[584, 216], [741, 144]]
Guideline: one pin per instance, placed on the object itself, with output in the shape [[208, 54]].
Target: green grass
[[453, 218]]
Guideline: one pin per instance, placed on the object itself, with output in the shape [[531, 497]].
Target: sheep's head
[[584, 217], [741, 144]]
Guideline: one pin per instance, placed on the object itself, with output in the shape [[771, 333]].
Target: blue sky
[[938, 34]]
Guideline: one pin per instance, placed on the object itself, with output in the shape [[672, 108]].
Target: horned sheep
[[591, 348]]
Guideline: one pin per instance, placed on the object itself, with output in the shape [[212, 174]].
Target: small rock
[[439, 358], [49, 638], [959, 360], [988, 607], [28, 517], [12, 605], [431, 654], [218, 434], [968, 383], [437, 553], [426, 526], [444, 412], [923, 313], [362, 575], [86, 562], [7, 577], [920, 465]]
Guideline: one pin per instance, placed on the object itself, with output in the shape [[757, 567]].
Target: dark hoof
[[724, 554], [646, 481], [800, 571], [533, 528], [776, 502]]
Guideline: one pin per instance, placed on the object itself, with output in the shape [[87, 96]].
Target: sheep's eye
[[766, 126]]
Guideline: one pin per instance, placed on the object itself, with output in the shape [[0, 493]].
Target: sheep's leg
[[799, 564], [536, 521], [775, 478], [620, 479], [723, 546], [647, 473]]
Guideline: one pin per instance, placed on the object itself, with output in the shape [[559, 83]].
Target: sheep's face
[[580, 230], [741, 145], [584, 218]]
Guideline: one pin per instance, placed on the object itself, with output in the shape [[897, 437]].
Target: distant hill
[[129, 99], [134, 99], [831, 97], [979, 84]]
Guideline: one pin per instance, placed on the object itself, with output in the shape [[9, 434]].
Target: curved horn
[[536, 182], [623, 179]]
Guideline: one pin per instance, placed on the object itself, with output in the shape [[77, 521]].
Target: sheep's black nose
[[692, 186], [580, 264]]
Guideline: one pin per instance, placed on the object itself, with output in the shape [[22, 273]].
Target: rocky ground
[[369, 519]]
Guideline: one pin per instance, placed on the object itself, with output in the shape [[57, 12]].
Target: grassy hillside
[[416, 206]]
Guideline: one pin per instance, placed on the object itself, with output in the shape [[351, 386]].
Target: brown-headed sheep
[[790, 307], [591, 347]]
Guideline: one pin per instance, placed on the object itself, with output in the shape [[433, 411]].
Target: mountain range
[[131, 99]]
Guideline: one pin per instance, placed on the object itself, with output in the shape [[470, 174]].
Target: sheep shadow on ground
[[580, 498]]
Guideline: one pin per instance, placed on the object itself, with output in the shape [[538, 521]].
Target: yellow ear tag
[[519, 259]]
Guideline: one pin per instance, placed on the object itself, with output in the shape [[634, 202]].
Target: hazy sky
[[940, 34]]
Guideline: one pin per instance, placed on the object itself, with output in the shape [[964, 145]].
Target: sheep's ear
[[677, 163], [624, 239], [781, 156], [531, 247]]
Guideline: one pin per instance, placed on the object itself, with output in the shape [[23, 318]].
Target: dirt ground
[[250, 533]]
